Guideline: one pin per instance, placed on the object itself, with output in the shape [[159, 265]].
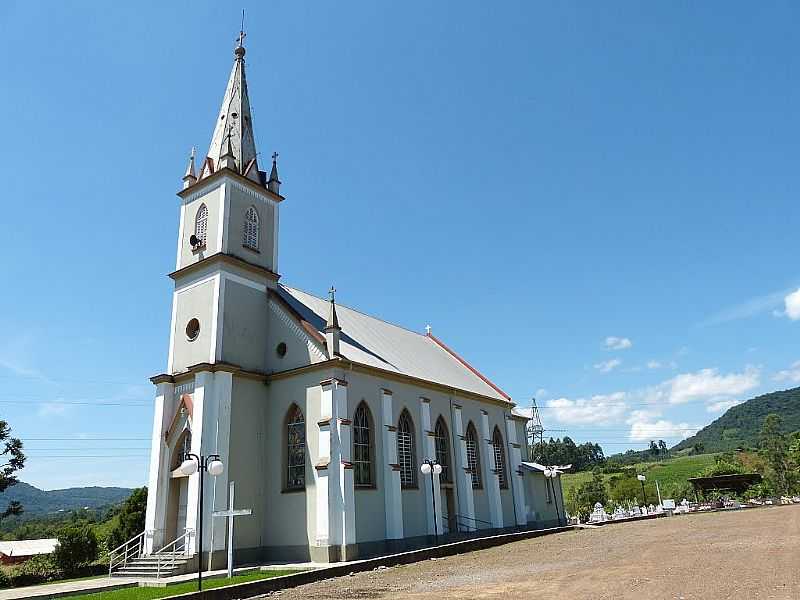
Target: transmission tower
[[535, 432]]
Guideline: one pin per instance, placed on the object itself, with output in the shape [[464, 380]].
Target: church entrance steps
[[164, 564]]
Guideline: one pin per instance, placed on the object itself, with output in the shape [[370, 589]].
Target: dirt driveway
[[736, 555]]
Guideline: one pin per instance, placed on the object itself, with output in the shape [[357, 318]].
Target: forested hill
[[40, 503], [740, 425]]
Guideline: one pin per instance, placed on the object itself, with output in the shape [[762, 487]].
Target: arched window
[[183, 447], [201, 224], [250, 238], [362, 447], [405, 450], [442, 440], [473, 455], [500, 457], [295, 449]]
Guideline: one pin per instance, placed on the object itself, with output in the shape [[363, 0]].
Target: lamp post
[[642, 479], [192, 463], [550, 473], [431, 467]]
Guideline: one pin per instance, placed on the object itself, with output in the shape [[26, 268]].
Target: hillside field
[[667, 472]]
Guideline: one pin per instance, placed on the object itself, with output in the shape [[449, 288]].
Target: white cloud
[[52, 409], [791, 374], [722, 405], [746, 309], [708, 383], [599, 409], [661, 429], [541, 394], [618, 343], [792, 305], [608, 365]]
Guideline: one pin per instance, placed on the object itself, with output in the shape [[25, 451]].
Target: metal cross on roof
[[274, 156], [427, 329], [332, 293], [242, 34]]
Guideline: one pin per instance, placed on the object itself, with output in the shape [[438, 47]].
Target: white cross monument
[[231, 513]]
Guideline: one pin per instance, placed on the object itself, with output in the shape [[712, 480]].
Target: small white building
[[21, 550]]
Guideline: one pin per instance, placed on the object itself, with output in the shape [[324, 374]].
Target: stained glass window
[[251, 228], [500, 457], [362, 447], [473, 455], [295, 449], [442, 440], [405, 450]]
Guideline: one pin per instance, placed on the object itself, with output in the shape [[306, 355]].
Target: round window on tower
[[281, 349], [192, 329]]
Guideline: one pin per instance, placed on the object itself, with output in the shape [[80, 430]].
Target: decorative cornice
[[324, 422], [240, 181], [223, 258], [390, 428], [322, 465], [386, 392], [331, 381]]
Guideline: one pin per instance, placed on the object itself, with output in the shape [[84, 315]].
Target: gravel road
[[753, 554]]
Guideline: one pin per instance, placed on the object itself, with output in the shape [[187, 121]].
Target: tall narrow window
[[500, 457], [362, 447], [442, 440], [201, 224], [405, 450], [250, 238], [473, 455], [295, 449]]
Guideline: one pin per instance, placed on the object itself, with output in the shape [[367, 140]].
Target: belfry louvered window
[[201, 224], [250, 237], [295, 449], [405, 450], [362, 447], [473, 455], [500, 458]]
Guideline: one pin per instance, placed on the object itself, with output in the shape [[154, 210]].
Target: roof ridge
[[355, 310]]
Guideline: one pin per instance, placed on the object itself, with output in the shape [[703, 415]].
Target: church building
[[321, 415]]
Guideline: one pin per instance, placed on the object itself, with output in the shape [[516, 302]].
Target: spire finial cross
[[242, 34], [274, 156], [427, 329], [332, 294], [192, 154]]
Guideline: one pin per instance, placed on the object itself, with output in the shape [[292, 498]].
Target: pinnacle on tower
[[274, 184], [189, 178]]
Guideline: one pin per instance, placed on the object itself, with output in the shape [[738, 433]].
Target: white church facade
[[322, 415]]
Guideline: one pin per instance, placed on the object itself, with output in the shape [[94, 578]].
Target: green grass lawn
[[667, 472], [147, 593]]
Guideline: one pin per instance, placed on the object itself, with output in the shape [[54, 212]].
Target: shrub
[[38, 569], [5, 580], [77, 547]]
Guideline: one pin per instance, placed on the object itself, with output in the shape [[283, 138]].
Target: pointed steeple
[[234, 126], [274, 184], [190, 178], [332, 330]]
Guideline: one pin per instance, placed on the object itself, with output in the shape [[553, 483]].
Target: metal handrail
[[130, 550], [166, 556]]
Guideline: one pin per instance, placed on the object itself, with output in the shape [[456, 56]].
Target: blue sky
[[529, 178]]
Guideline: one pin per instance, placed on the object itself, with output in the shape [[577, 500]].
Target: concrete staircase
[[163, 564]]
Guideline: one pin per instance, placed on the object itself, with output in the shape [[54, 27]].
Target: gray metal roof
[[371, 341]]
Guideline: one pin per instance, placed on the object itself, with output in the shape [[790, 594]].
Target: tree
[[582, 499], [653, 448], [662, 448], [77, 547], [12, 459], [775, 450], [130, 519], [698, 448]]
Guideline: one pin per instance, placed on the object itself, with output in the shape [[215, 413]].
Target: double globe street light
[[192, 463], [432, 467], [550, 473]]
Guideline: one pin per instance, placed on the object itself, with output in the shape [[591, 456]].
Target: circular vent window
[[192, 329], [281, 349]]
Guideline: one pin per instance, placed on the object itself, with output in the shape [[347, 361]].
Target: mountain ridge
[[739, 426], [38, 503]]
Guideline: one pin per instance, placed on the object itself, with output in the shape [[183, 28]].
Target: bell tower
[[225, 266], [228, 233]]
